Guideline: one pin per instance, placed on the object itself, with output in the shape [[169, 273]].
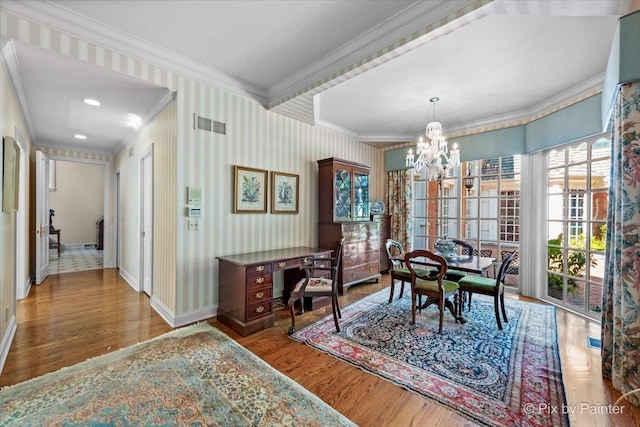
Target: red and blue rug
[[509, 377]]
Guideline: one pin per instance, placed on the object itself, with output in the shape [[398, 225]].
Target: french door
[[577, 192]]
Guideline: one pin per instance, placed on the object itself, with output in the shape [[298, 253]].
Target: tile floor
[[74, 259]]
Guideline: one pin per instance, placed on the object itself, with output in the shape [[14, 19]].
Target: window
[[510, 216], [577, 192], [481, 206]]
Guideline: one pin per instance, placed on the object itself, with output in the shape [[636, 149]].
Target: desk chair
[[483, 285], [313, 285]]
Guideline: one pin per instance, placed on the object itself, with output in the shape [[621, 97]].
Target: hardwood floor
[[76, 316]]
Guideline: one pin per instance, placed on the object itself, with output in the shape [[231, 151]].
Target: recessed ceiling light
[[92, 102], [80, 136]]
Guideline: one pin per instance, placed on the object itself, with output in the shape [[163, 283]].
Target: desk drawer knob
[[260, 280], [260, 268], [259, 295], [260, 309], [282, 264]]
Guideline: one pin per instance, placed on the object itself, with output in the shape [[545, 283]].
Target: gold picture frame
[[10, 174], [285, 192], [250, 190]]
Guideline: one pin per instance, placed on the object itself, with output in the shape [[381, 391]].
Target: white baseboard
[[25, 289], [183, 319], [196, 316], [78, 245], [129, 279], [7, 339]]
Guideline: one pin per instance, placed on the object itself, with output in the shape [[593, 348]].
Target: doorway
[[79, 212]]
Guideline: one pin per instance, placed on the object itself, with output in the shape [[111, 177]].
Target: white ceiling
[[511, 59]]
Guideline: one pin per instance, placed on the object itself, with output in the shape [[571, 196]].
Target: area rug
[[511, 377], [193, 376]]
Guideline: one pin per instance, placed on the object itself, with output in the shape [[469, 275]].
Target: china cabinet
[[343, 196]]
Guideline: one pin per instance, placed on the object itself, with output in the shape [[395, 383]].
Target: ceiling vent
[[208, 125]]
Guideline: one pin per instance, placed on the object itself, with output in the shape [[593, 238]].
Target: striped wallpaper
[[185, 266]]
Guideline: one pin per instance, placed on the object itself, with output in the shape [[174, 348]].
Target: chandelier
[[433, 152]]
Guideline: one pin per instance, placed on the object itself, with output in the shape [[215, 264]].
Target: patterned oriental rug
[[494, 378], [195, 375]]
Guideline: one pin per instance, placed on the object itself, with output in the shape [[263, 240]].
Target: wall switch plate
[[193, 224]]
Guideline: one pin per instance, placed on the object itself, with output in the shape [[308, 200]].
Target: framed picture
[[250, 190], [10, 174], [285, 190]]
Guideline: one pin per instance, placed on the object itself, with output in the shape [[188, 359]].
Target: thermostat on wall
[[194, 211]]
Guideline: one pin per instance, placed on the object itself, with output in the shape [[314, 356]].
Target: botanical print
[[250, 193], [251, 189], [284, 190], [285, 193], [621, 293]]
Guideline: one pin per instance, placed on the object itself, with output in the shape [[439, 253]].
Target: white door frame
[[23, 278], [107, 253], [42, 217], [143, 227], [118, 223]]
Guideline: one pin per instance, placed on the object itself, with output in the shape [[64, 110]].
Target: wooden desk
[[246, 285], [55, 232]]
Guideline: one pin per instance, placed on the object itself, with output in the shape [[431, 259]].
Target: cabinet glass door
[[342, 184], [361, 195]]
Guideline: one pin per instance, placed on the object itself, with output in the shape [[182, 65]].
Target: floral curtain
[[621, 293], [399, 196]]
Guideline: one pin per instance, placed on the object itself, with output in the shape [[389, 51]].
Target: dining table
[[467, 263]]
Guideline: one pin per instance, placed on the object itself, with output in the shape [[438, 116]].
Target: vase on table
[[446, 248]]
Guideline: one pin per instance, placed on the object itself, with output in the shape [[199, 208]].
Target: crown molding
[[74, 148], [414, 18], [385, 139], [335, 128], [67, 21], [564, 99], [162, 102], [9, 59]]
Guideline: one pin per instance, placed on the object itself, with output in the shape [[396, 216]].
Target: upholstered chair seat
[[316, 284]]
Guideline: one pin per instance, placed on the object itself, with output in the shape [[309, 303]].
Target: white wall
[[78, 201]]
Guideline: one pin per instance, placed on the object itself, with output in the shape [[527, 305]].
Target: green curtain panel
[[621, 294], [399, 197]]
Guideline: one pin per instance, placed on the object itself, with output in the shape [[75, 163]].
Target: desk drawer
[[259, 281], [258, 295], [258, 310], [257, 270], [287, 264]]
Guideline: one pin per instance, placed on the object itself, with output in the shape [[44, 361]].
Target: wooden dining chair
[[315, 285], [432, 284], [465, 249], [398, 270], [484, 285]]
